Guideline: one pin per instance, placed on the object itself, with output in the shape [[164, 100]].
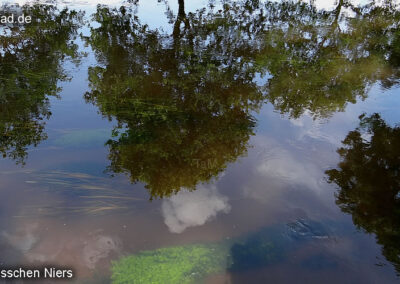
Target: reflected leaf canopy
[[185, 98], [318, 61], [182, 100], [30, 67], [369, 182]]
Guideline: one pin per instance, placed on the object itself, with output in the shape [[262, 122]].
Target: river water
[[220, 142]]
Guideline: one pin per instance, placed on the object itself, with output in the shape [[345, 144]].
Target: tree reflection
[[313, 60], [318, 61], [30, 67], [369, 181], [185, 98], [182, 104]]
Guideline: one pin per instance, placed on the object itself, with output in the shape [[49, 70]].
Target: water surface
[[242, 141]]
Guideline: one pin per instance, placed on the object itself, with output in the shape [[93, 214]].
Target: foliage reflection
[[186, 98], [182, 101], [369, 182], [30, 67]]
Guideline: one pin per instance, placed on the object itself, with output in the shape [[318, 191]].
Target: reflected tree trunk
[[335, 23], [177, 26], [180, 18]]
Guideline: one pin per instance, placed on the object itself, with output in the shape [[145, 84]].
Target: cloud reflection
[[189, 209], [279, 169]]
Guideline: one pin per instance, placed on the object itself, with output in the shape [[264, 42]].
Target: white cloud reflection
[[189, 209], [279, 168], [283, 169]]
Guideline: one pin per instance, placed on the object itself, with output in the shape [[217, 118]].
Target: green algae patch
[[192, 263], [182, 264]]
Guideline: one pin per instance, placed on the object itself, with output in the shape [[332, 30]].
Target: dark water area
[[201, 142]]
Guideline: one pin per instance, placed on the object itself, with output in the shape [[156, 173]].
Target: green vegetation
[[183, 264], [191, 263]]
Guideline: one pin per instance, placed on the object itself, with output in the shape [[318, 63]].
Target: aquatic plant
[[191, 263], [182, 264]]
